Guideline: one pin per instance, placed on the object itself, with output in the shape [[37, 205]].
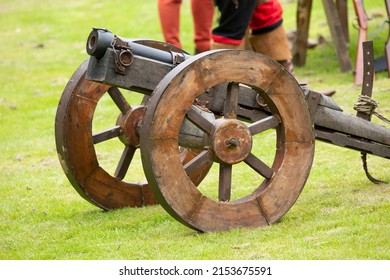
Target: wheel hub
[[231, 141], [129, 123]]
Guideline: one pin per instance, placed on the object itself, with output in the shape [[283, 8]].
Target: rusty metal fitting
[[177, 58], [122, 54]]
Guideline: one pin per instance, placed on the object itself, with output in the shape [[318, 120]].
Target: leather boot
[[274, 44]]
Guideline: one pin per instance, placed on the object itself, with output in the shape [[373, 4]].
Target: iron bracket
[[122, 55]]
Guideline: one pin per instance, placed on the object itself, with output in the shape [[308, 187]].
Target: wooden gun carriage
[[217, 112]]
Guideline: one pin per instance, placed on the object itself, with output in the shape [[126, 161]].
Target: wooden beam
[[336, 30], [303, 23], [342, 9]]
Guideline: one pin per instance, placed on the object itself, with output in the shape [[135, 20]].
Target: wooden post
[[387, 46], [342, 8], [303, 22], [335, 30], [362, 37]]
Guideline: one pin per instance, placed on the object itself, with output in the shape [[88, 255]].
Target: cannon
[[235, 114]]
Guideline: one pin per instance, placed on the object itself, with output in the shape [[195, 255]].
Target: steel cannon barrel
[[99, 40]]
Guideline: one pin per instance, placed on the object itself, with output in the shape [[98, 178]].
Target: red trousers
[[202, 13]]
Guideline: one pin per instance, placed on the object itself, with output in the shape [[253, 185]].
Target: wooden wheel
[[76, 142], [232, 143], [79, 146]]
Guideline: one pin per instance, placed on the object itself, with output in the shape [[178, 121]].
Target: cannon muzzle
[[99, 40]]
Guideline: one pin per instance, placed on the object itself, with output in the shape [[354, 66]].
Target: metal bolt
[[232, 143]]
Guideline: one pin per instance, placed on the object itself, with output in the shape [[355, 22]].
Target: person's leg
[[268, 35], [202, 13], [233, 22], [169, 13]]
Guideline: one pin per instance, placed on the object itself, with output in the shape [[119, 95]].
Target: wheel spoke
[[119, 100], [225, 182], [259, 166], [231, 102], [106, 134], [201, 122], [202, 158], [264, 124], [124, 162]]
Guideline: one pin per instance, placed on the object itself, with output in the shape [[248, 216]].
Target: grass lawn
[[339, 215]]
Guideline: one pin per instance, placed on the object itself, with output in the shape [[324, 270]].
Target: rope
[[374, 34], [369, 176], [368, 106]]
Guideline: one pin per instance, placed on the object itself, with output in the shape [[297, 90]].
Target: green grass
[[339, 215]]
